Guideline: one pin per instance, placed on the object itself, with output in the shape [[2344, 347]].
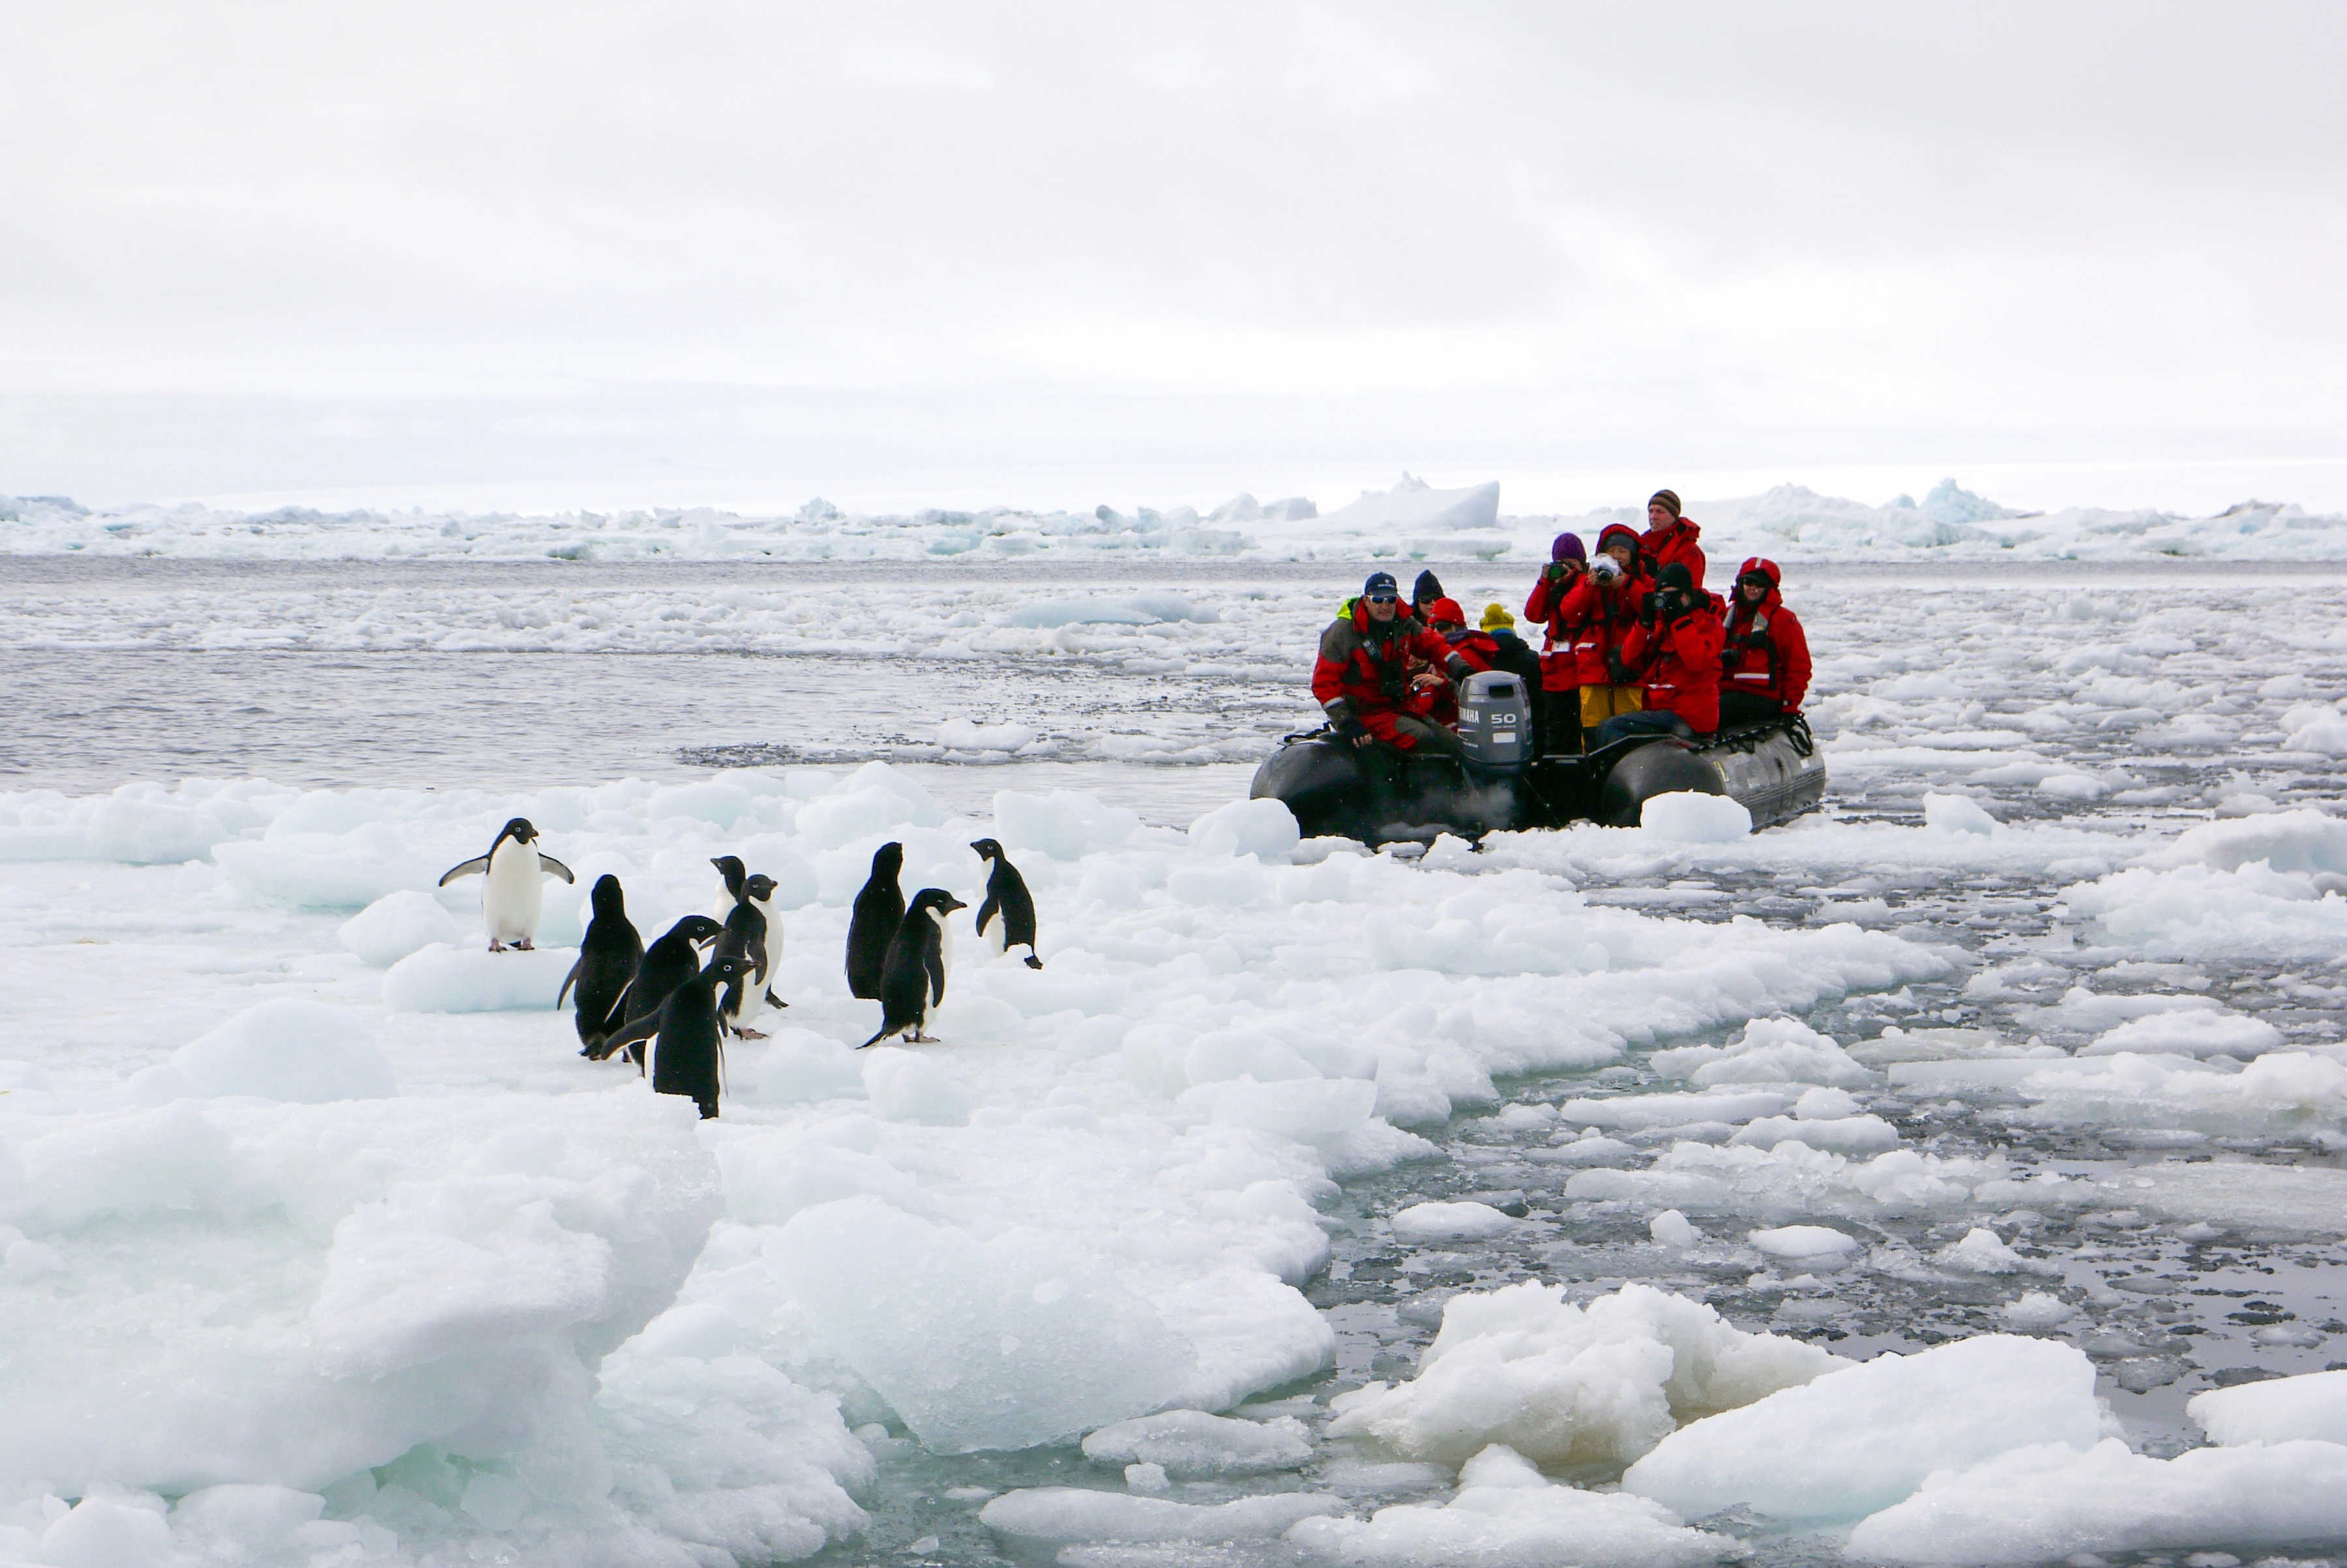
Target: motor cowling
[[1495, 722]]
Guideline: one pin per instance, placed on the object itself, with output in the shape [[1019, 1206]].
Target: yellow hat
[[1496, 616]]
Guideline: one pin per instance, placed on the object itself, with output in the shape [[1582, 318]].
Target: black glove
[[1615, 671], [1350, 730], [1650, 607], [1729, 658]]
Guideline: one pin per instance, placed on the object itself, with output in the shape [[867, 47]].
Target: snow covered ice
[[1521, 1204]]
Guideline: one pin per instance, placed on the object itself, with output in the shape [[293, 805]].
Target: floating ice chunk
[[1803, 1244], [1956, 814], [1193, 1444], [1061, 1514], [1670, 1228], [2194, 1033], [1860, 1439], [398, 924], [1843, 1135], [1053, 613], [2042, 1503], [105, 1531], [2035, 1310], [442, 979], [1508, 1516], [1264, 828], [1638, 1111], [967, 736], [1769, 1051], [2314, 1405], [289, 1050], [1825, 1104], [907, 1086], [2073, 786], [1792, 1179], [1687, 816], [243, 1520], [1001, 1344], [1450, 1222], [1567, 1385], [1980, 1251], [1063, 824]]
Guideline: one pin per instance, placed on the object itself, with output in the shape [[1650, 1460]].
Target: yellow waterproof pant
[[1599, 704]]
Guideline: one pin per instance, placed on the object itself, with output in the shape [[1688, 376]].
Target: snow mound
[[2304, 840], [2195, 1033], [398, 924], [1264, 828], [1192, 1444], [1059, 1514], [289, 1049], [443, 979], [1689, 817], [1414, 504], [1561, 1384], [1980, 1251], [2045, 1502], [1062, 824], [1767, 1050], [2314, 1405], [1450, 1222], [1955, 813], [1863, 1437], [1001, 1344], [1508, 1516]]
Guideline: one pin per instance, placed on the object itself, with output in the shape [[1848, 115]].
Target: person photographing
[[1674, 650]]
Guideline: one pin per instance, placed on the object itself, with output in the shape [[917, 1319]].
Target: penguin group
[[670, 1011]]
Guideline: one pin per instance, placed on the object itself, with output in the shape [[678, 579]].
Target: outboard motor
[[1495, 722]]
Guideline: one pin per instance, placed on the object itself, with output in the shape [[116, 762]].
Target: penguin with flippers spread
[[880, 910], [746, 933], [668, 963], [1007, 918], [688, 1051], [513, 892], [918, 961], [608, 957]]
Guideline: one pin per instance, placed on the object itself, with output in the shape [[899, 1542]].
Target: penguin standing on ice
[[512, 890], [1007, 918], [608, 957], [689, 1045], [732, 878], [880, 910], [746, 937], [667, 964], [918, 961]]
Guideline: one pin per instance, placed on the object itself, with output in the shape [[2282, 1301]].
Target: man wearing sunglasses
[[1362, 679]]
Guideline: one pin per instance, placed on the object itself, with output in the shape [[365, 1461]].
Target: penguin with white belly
[[512, 890], [746, 936], [733, 885], [919, 959], [1007, 918]]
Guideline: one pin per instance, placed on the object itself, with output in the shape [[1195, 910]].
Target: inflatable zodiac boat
[[1773, 770]]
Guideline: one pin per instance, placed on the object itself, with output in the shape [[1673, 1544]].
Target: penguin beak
[[952, 904]]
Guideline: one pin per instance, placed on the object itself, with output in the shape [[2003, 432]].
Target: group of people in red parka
[[1636, 645]]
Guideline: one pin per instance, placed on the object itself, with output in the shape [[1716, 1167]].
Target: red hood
[[1622, 531], [1738, 609]]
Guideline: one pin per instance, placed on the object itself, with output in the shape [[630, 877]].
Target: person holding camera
[[1362, 679], [1557, 717], [1597, 618], [1765, 660], [1676, 646]]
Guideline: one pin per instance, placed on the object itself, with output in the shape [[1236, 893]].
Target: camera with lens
[[1605, 568]]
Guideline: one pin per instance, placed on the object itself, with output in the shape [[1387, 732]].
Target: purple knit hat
[[1567, 546]]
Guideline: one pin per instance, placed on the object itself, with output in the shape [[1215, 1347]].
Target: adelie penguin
[[914, 979], [746, 936], [689, 1045], [608, 957], [667, 964], [732, 877], [1007, 918], [512, 890], [880, 910]]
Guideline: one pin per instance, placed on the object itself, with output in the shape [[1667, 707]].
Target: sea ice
[[1064, 1513], [289, 1049], [1450, 1221], [1192, 1444], [444, 978], [2312, 1405], [1692, 818]]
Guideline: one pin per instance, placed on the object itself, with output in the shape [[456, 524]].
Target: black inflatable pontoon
[[1773, 770]]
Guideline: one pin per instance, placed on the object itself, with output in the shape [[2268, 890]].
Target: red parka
[[1766, 653], [1365, 665], [1560, 671], [1680, 661], [1676, 541], [1596, 619]]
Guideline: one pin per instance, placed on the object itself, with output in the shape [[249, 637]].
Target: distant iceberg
[[1415, 503]]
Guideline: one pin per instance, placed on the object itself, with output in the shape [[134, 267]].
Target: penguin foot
[[526, 946], [748, 1034], [1034, 962], [918, 1038], [495, 946]]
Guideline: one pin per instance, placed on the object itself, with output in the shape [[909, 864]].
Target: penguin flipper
[[477, 867], [935, 964], [568, 980], [547, 863], [643, 1027], [987, 911]]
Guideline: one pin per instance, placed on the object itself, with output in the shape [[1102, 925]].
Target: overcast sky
[[1065, 253]]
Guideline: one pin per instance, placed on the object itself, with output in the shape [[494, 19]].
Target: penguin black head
[[611, 904], [988, 849], [697, 929], [730, 867], [933, 900], [518, 828], [728, 966], [889, 859], [761, 887]]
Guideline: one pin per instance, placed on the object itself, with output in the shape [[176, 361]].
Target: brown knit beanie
[[1667, 499]]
